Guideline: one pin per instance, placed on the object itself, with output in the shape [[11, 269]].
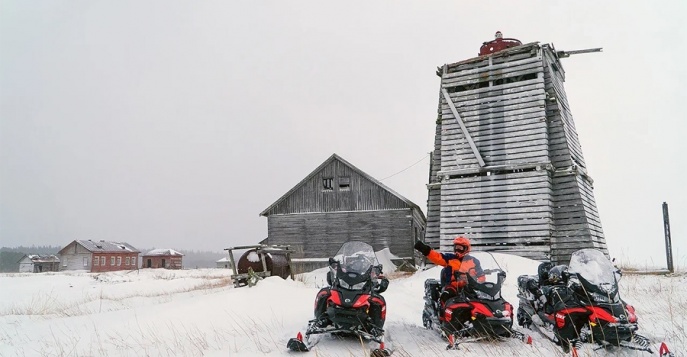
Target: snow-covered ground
[[156, 312]]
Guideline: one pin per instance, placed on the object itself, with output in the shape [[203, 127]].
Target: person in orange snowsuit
[[458, 261]]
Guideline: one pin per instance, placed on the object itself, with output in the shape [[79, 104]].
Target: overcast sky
[[175, 123]]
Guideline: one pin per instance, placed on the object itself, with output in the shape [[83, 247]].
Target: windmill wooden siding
[[507, 169], [337, 203]]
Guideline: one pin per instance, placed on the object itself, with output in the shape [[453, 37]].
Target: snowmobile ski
[[663, 351], [297, 344]]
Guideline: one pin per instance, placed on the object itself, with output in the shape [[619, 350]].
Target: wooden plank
[[528, 61], [505, 195], [532, 71], [500, 181], [465, 132], [507, 113], [519, 156], [508, 205], [523, 231], [488, 74], [499, 90], [514, 53], [536, 100], [448, 201], [500, 137]]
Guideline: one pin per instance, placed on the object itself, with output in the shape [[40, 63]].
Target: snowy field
[[199, 313]]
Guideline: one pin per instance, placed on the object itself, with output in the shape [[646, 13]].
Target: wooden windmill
[[507, 169]]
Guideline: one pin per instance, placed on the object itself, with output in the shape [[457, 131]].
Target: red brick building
[[162, 258], [98, 256]]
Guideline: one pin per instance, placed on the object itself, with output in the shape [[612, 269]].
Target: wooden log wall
[[320, 235], [507, 170]]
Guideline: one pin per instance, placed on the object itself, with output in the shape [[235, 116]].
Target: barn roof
[[357, 170], [103, 246], [165, 252]]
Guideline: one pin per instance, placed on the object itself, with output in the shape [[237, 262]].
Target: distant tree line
[[193, 259], [9, 257]]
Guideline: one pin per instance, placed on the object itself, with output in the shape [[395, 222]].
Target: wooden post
[[666, 230], [231, 260]]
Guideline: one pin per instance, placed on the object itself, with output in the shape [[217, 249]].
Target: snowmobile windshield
[[484, 275], [595, 271], [356, 257]]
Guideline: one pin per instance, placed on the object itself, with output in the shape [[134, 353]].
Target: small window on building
[[119, 261], [344, 183], [128, 261], [85, 261], [102, 261], [112, 261], [96, 260], [328, 183]]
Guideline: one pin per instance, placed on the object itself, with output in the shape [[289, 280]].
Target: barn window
[[85, 261], [328, 183], [112, 261], [119, 261], [96, 260], [128, 261], [102, 261], [344, 183]]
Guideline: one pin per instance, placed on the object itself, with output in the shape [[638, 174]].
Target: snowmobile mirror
[[502, 274], [383, 285], [332, 261], [619, 272]]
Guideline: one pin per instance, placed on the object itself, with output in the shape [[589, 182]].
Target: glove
[[422, 247]]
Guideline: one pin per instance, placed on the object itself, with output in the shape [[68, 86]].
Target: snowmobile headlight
[[358, 286], [600, 297], [482, 295]]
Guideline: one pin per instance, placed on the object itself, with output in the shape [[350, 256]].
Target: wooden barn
[[336, 203], [507, 169], [98, 256], [162, 258], [36, 263]]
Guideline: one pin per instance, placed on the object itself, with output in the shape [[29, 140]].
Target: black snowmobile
[[580, 303], [352, 304], [477, 312]]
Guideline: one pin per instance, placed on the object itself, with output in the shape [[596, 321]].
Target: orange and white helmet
[[461, 246]]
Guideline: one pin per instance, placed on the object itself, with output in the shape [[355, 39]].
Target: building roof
[[106, 246], [225, 259], [44, 258], [165, 252], [357, 170]]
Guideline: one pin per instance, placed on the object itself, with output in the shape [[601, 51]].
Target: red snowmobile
[[352, 304], [580, 303], [477, 312]]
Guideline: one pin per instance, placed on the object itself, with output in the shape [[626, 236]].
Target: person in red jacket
[[458, 261]]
